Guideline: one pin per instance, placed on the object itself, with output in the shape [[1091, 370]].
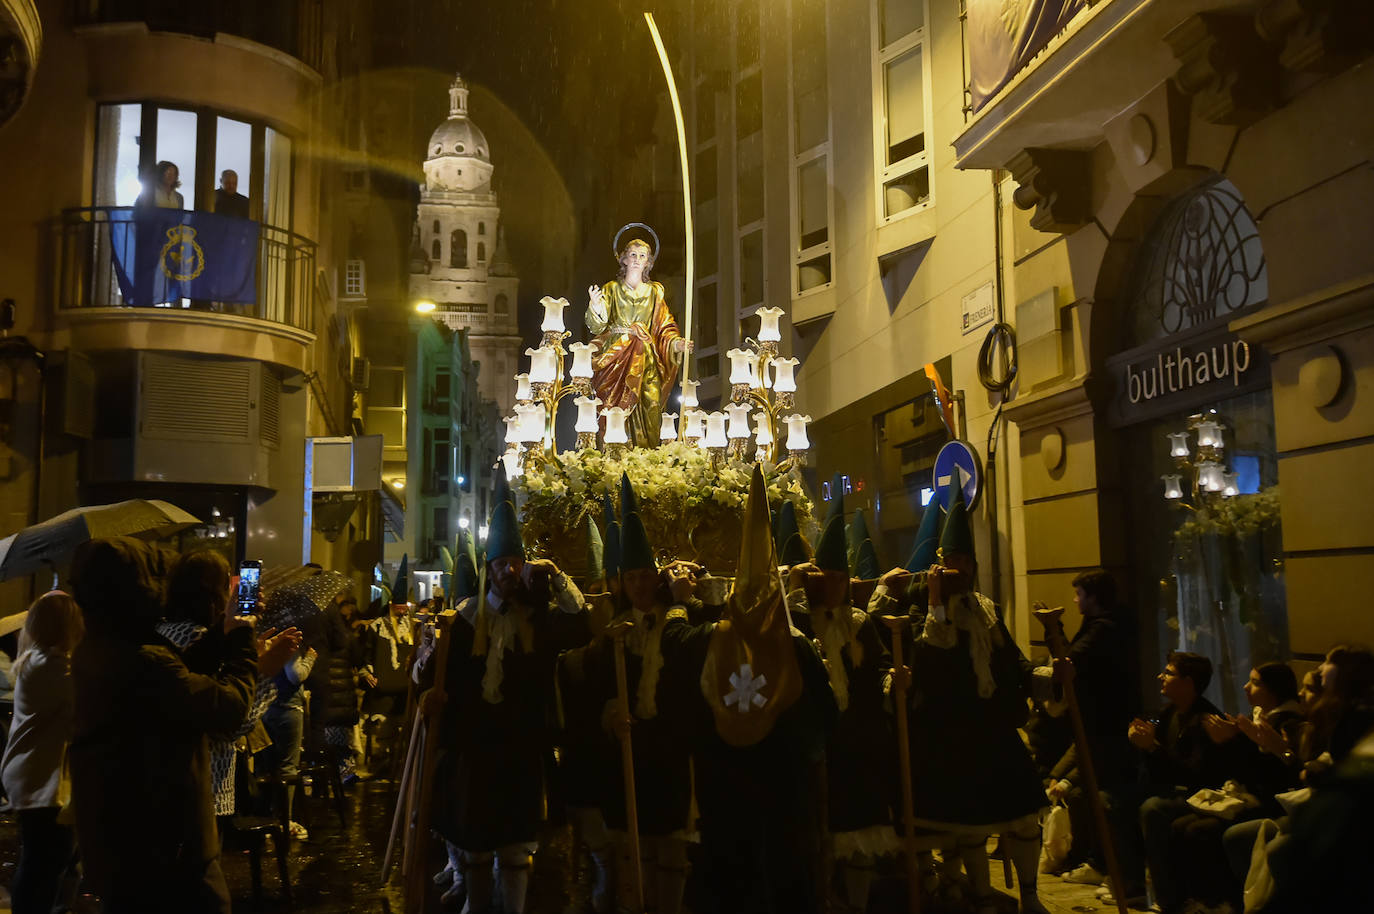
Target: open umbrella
[[52, 541], [297, 602]]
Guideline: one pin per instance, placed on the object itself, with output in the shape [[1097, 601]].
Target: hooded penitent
[[751, 674], [400, 590], [464, 580], [503, 529], [792, 548], [865, 556], [596, 568], [927, 540], [635, 551], [957, 537], [830, 550]]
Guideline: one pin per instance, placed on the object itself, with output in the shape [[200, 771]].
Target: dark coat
[[969, 765], [492, 780], [1103, 656], [1185, 759], [861, 754], [333, 701], [140, 756]]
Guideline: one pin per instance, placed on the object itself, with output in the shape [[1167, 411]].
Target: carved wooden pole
[[913, 875]]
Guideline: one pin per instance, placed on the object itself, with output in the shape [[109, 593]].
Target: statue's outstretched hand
[[598, 299]]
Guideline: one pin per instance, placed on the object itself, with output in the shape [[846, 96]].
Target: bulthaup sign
[[1178, 374]]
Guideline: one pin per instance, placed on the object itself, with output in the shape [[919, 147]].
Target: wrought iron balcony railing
[[285, 270]]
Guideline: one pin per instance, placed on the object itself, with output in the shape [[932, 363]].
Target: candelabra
[[1201, 476], [530, 432], [764, 385]]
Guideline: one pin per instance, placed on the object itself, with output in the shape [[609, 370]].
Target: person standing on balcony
[[161, 187], [228, 200]]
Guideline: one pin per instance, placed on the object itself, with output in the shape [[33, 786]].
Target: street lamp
[[425, 306]]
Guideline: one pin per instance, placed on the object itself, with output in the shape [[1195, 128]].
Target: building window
[[443, 387], [502, 304], [436, 226], [746, 33], [355, 278], [440, 527], [481, 228], [901, 77], [707, 317], [434, 253], [481, 252], [811, 176], [751, 270], [458, 249]]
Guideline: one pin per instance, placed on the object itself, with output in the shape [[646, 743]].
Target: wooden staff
[[1059, 650], [627, 760], [402, 798], [417, 897], [913, 875]]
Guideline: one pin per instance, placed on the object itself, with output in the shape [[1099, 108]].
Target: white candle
[[511, 459], [1172, 485], [1208, 434], [1178, 444], [582, 359], [796, 432], [689, 394], [586, 413], [783, 380], [512, 429], [615, 424], [543, 365], [522, 386], [1230, 484], [696, 422], [741, 361], [768, 325], [755, 375], [553, 314], [667, 431], [762, 436], [739, 420], [531, 421], [715, 430]]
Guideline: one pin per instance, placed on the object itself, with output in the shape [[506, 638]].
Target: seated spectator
[[1178, 757], [198, 596], [33, 767], [140, 753]]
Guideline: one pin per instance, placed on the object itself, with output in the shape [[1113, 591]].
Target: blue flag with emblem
[[166, 255]]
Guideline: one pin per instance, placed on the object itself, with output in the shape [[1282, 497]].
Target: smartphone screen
[[250, 577]]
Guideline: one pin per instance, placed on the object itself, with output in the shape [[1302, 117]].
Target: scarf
[[398, 633], [975, 614], [496, 632], [837, 629], [645, 639]]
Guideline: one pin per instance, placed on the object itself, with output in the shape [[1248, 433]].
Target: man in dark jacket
[[1179, 758], [140, 757]]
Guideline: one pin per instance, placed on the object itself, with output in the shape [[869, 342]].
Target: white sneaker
[[1084, 874]]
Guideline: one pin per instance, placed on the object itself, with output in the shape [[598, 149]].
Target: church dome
[[457, 156]]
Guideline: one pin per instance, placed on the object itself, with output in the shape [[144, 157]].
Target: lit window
[[900, 80], [355, 282]]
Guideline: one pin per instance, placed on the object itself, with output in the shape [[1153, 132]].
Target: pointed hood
[[751, 674], [957, 537], [596, 568], [927, 539], [831, 554], [861, 543], [792, 548], [610, 552], [607, 510], [464, 581], [635, 551], [836, 507], [503, 529], [400, 590]]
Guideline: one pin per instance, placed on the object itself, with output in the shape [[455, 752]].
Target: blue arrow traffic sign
[[958, 457]]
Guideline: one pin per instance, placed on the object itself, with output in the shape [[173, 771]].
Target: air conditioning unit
[[361, 375]]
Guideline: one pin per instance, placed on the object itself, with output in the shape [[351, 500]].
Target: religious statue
[[637, 340]]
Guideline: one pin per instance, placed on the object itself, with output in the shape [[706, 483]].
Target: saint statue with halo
[[637, 340]]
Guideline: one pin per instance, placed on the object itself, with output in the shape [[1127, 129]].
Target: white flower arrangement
[[690, 509]]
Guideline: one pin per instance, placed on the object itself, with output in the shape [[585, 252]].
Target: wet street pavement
[[337, 870]]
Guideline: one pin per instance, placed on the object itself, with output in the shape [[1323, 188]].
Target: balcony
[[1108, 56], [294, 27], [278, 328]]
